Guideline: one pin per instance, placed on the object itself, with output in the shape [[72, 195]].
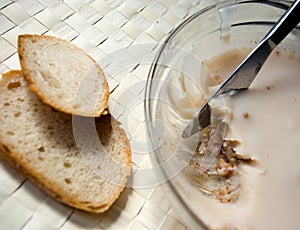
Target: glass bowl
[[173, 93]]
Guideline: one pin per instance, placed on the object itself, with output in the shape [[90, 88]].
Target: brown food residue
[[268, 87], [245, 114]]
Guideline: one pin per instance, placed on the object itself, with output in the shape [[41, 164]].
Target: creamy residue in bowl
[[261, 135]]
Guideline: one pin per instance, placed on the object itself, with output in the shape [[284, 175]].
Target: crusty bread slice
[[63, 75], [62, 153]]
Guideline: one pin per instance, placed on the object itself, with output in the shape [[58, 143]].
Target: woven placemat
[[123, 37]]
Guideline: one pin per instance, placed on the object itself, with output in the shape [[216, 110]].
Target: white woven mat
[[122, 36]]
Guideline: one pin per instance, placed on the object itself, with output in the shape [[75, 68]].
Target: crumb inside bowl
[[240, 172]]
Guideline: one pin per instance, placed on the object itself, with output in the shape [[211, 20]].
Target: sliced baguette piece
[[63, 75], [58, 152]]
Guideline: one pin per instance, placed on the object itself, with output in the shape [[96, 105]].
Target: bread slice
[[82, 161], [63, 75]]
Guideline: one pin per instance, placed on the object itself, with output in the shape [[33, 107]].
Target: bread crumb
[[224, 168], [224, 195], [245, 114], [268, 87]]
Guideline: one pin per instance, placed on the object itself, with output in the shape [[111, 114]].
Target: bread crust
[[28, 74], [107, 128]]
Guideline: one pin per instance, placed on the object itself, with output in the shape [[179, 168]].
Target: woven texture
[[122, 36]]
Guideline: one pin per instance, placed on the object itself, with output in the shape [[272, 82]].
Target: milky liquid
[[270, 133]]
